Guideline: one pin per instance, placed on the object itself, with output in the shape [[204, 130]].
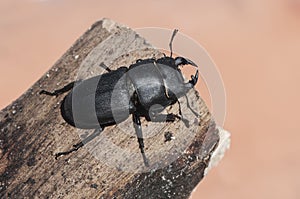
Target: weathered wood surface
[[32, 131]]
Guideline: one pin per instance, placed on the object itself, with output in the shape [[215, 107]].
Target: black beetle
[[144, 89]]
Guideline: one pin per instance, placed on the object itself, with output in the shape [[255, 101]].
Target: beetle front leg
[[168, 118], [138, 130], [185, 121], [189, 106]]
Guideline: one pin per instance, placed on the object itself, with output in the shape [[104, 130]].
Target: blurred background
[[254, 43]]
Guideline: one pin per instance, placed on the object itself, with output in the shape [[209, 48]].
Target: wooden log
[[32, 131]]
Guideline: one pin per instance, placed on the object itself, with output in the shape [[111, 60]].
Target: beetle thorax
[[156, 84]]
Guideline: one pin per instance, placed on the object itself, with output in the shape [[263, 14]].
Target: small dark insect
[[144, 89], [168, 136]]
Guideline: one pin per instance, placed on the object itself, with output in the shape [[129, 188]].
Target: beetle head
[[181, 61]]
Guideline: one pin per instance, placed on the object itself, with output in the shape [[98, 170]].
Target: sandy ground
[[255, 44]]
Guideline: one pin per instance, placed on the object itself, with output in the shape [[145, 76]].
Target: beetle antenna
[[105, 67], [171, 41]]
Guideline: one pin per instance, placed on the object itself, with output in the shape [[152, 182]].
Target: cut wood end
[[219, 152]]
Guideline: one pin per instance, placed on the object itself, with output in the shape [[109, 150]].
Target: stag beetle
[[136, 90]]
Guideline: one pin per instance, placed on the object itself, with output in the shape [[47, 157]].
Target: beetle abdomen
[[98, 101]]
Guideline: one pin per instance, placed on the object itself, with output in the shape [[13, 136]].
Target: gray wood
[[32, 131]]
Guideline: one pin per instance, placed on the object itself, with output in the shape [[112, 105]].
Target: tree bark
[[32, 131]]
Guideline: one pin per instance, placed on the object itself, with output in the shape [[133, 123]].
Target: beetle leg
[[138, 130], [179, 107], [168, 118], [163, 118], [80, 144], [56, 93], [189, 106]]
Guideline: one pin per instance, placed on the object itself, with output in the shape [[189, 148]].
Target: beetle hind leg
[[80, 144], [138, 129], [75, 148]]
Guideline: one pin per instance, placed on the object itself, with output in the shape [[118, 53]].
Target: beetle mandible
[[139, 88]]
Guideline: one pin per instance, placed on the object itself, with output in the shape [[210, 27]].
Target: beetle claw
[[194, 79], [146, 161]]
